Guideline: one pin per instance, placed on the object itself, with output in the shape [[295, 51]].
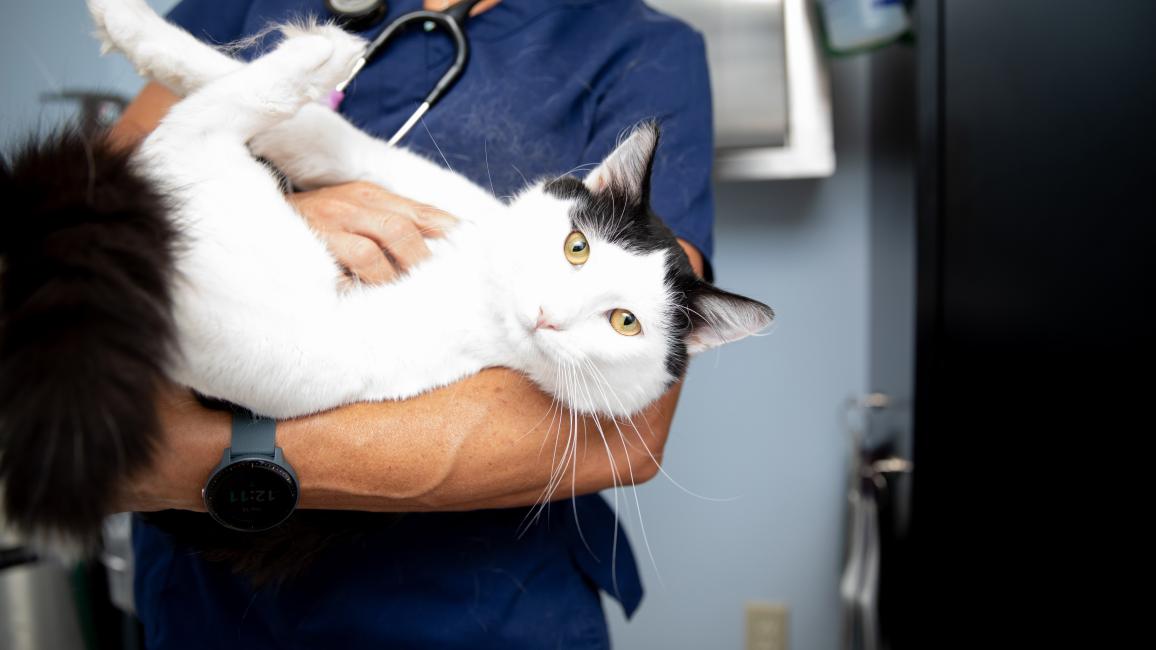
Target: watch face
[[251, 495]]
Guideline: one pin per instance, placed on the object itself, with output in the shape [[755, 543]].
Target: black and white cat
[[184, 260]]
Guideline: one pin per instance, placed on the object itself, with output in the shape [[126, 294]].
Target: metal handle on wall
[[859, 585]]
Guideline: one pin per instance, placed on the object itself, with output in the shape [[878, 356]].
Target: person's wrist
[[188, 449], [254, 488]]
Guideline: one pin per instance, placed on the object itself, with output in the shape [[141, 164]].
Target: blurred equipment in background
[[47, 604], [37, 609], [772, 98], [746, 50], [97, 110], [876, 522], [118, 560], [851, 26]]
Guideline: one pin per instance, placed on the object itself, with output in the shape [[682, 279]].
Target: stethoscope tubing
[[452, 21]]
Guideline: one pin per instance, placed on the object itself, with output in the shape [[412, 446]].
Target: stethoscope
[[360, 15]]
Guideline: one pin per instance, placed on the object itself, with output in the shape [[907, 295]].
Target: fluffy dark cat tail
[[86, 259]]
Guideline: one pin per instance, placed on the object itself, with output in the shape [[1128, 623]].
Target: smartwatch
[[254, 488]]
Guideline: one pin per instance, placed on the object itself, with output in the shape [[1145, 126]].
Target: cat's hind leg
[[306, 66], [314, 148], [317, 148], [158, 49]]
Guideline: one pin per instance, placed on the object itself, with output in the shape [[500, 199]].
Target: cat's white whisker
[[555, 410], [572, 438], [553, 401], [633, 482], [558, 437], [569, 453], [614, 480], [486, 152], [574, 488], [662, 469], [557, 469], [436, 145]]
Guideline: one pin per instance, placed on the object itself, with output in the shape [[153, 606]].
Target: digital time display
[[251, 495]]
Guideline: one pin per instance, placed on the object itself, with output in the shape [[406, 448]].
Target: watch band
[[253, 435]]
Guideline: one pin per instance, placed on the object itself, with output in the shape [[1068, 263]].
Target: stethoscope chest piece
[[357, 15]]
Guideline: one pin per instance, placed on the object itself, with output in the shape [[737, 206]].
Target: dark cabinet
[[1033, 200]]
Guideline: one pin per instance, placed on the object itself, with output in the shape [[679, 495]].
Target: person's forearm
[[142, 115], [485, 442]]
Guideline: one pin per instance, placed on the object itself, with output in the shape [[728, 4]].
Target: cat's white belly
[[261, 321]]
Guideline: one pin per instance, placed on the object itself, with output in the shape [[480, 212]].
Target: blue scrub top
[[549, 89]]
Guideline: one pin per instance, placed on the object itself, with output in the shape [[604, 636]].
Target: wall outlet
[[766, 626]]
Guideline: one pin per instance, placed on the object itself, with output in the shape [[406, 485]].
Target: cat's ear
[[719, 317], [626, 170]]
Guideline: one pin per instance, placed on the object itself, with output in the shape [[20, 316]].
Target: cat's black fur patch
[[86, 259], [621, 214]]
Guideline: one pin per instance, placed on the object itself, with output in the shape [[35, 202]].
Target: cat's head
[[605, 306]]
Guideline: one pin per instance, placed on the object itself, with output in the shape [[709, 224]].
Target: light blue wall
[[46, 46], [761, 420]]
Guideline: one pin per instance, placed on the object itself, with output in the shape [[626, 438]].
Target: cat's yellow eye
[[624, 322], [577, 248]]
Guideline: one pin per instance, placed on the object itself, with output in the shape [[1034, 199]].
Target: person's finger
[[362, 256], [398, 236], [431, 221]]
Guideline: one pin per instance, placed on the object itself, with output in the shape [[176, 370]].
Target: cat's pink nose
[[544, 321]]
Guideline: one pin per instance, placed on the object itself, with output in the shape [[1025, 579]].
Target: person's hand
[[375, 234]]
